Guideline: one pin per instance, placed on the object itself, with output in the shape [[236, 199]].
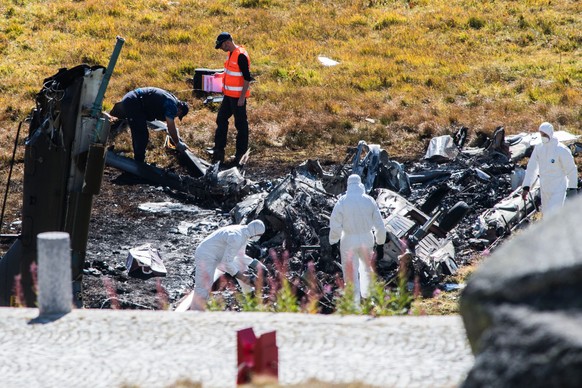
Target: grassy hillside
[[408, 69]]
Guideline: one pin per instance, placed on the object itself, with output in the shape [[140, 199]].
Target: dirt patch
[[118, 224]]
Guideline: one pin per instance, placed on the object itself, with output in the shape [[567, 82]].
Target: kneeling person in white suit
[[224, 249]]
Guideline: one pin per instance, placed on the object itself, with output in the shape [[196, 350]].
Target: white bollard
[[55, 291]]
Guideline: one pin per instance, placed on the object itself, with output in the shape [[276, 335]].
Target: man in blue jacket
[[149, 104]]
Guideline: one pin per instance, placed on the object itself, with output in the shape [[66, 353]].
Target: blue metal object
[[97, 105]]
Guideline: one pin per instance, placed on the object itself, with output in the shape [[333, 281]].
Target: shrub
[[476, 23]]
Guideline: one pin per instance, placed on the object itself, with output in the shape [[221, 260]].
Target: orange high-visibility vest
[[233, 78]]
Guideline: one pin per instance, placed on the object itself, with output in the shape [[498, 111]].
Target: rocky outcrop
[[522, 308]]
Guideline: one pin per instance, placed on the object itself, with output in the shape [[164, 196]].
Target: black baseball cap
[[183, 105], [222, 37]]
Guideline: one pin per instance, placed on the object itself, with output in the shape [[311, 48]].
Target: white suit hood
[[256, 228], [355, 184], [547, 128]]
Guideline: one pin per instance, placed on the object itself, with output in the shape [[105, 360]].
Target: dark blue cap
[[183, 105], [223, 37]]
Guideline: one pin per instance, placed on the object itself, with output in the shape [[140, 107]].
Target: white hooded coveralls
[[357, 222], [554, 164], [224, 248]]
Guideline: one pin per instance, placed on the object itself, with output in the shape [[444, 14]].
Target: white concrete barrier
[[55, 293]]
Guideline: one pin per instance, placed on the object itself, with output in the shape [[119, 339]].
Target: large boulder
[[522, 308]]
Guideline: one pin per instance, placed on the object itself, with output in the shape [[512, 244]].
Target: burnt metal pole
[[85, 181], [98, 103]]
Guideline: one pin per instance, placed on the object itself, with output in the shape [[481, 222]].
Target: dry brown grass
[[415, 68], [446, 303]]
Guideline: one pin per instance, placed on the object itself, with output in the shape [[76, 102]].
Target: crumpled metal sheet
[[401, 219], [377, 170], [506, 215], [299, 207], [441, 149]]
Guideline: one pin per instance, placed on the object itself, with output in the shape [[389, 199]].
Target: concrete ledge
[[108, 348]]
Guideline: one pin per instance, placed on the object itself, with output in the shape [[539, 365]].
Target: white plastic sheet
[[325, 61]]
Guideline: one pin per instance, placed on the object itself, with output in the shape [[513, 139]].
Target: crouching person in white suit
[[224, 249], [356, 222]]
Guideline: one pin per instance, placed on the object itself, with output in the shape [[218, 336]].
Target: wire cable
[[10, 174]]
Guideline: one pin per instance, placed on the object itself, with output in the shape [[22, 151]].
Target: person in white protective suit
[[224, 250], [555, 166], [356, 223]]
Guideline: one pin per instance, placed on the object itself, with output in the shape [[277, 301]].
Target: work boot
[[230, 164], [217, 156]]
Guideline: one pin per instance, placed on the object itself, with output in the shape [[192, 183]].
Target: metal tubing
[[105, 82]]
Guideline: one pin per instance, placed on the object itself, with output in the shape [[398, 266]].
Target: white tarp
[[325, 61], [145, 259], [441, 149]]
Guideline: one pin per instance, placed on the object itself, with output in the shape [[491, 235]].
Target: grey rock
[[528, 348], [522, 308]]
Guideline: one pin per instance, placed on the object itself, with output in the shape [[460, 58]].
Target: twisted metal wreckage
[[63, 167], [457, 199], [437, 211]]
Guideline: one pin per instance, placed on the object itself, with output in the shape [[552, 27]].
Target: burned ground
[[120, 221], [118, 224]]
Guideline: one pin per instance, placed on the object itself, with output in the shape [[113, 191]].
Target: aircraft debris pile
[[445, 208], [438, 211], [213, 187]]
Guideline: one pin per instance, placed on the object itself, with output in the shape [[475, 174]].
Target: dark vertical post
[[85, 178]]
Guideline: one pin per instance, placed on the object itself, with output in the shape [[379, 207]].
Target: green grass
[[383, 299], [406, 64]]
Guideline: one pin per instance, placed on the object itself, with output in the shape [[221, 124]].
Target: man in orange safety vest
[[236, 81]]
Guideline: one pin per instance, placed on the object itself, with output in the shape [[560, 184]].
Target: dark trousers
[[136, 119], [228, 108]]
